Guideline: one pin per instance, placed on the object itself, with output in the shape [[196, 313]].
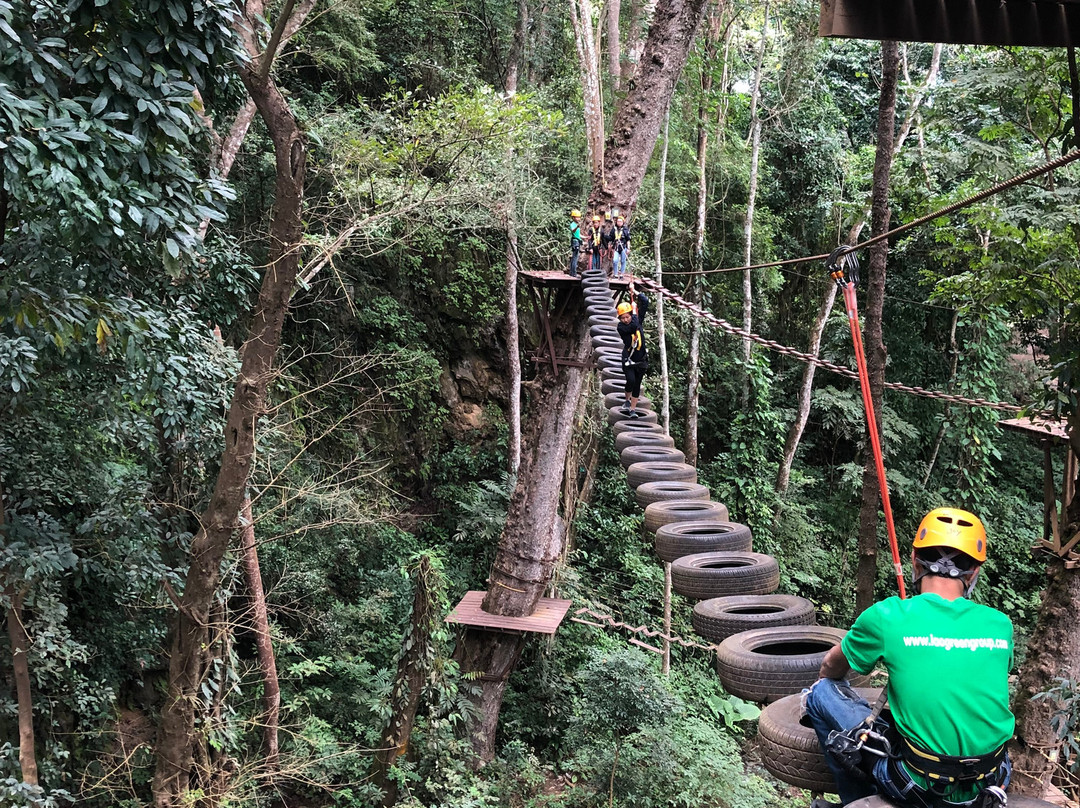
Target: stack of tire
[[769, 647]]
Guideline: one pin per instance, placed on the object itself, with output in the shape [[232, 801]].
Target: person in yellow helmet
[[635, 360], [592, 239], [948, 661], [575, 241]]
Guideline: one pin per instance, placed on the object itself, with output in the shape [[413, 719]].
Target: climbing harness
[[843, 268], [850, 747]]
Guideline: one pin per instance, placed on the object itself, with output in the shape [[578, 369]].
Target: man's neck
[[948, 588]]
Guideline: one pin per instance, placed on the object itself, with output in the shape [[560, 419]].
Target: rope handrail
[[724, 325], [606, 620], [1004, 185]]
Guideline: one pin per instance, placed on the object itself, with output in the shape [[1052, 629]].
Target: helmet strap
[[944, 567]]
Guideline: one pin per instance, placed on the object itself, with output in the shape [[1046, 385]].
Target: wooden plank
[[1038, 428], [647, 647], [545, 620]]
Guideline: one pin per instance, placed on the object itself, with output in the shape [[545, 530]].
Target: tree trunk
[[191, 632], [614, 8], [20, 645], [513, 265], [751, 202], [629, 148], [413, 669], [872, 331], [802, 408], [641, 14], [530, 544], [230, 147], [693, 370], [263, 642], [661, 339], [585, 40]]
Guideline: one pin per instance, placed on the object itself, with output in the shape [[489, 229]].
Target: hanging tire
[[764, 664], [636, 426], [605, 362], [719, 618], [642, 439], [604, 330], [713, 575], [607, 342], [684, 510], [617, 399], [678, 539], [791, 753], [644, 454], [616, 414], [616, 374], [604, 319], [641, 473], [613, 386], [665, 490]]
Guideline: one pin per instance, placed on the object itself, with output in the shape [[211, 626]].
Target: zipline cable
[[1019, 179], [844, 269]]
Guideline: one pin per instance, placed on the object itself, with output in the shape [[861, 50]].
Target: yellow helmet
[[955, 528], [607, 214], [596, 218], [624, 308], [575, 214]]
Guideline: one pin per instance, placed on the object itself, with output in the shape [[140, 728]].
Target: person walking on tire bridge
[[948, 662], [622, 247], [575, 241], [607, 242], [635, 360], [592, 238]]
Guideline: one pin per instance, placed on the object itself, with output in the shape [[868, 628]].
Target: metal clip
[[843, 266]]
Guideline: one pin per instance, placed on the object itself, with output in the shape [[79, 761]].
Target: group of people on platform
[[605, 239]]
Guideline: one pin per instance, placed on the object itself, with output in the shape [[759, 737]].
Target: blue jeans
[[618, 263], [832, 704], [575, 253]]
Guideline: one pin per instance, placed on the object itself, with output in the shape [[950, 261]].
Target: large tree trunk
[[872, 331], [751, 203], [640, 18], [264, 645], [191, 633], [413, 669], [802, 407], [693, 369], [588, 63], [661, 338], [532, 539], [629, 148], [614, 8]]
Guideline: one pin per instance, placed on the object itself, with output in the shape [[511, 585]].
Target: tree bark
[[751, 202], [614, 7], [629, 148], [413, 669], [20, 646], [641, 14], [513, 266], [872, 331], [802, 408], [661, 338], [693, 370], [585, 40], [191, 633], [263, 641]]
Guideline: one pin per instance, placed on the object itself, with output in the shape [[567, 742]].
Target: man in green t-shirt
[[948, 663]]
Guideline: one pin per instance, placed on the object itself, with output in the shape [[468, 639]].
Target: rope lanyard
[[844, 269]]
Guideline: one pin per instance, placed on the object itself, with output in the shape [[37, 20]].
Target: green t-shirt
[[948, 664]]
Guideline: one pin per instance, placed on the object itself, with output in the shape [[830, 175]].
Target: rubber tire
[[791, 753], [627, 439], [600, 302], [641, 473], [607, 342], [665, 490], [678, 539], [642, 454], [719, 618], [685, 510], [613, 374], [605, 362], [603, 319], [791, 663], [636, 426], [604, 330], [617, 399], [613, 386], [592, 281], [615, 414], [714, 575]]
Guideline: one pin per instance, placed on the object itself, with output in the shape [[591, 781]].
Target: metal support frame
[[543, 300]]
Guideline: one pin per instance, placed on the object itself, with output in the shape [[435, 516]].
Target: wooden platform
[[1038, 428], [547, 617], [560, 280]]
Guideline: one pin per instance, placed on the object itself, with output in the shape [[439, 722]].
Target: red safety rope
[[844, 269]]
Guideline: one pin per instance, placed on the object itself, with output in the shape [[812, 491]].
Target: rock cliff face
[[468, 385]]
